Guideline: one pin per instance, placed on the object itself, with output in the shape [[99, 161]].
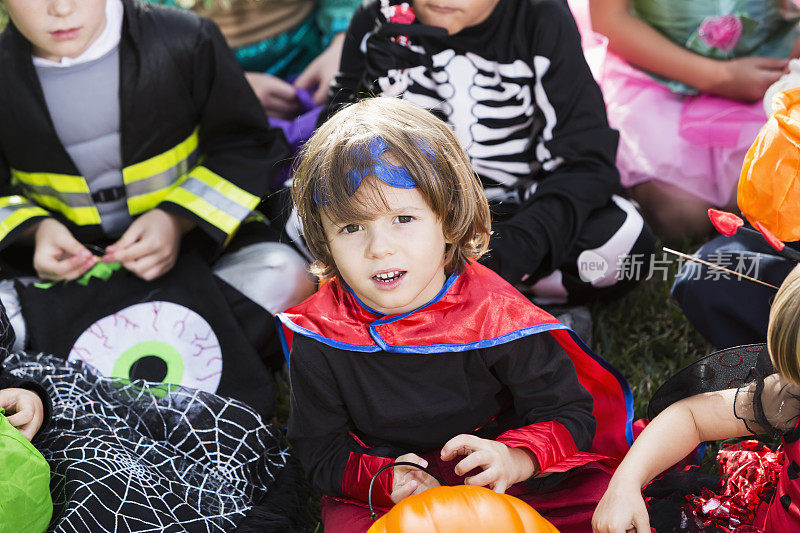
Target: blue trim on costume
[[282, 337], [626, 388], [358, 300], [391, 318], [324, 340], [486, 343]]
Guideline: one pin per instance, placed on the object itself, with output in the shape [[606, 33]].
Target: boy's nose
[[380, 245], [60, 8]]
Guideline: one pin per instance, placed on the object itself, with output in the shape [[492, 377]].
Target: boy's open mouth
[[390, 276]]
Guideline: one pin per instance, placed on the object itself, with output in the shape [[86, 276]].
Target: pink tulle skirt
[[695, 143]]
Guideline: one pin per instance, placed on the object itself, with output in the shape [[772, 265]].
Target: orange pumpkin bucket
[[463, 508], [769, 188]]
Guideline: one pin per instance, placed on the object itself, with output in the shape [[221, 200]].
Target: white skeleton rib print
[[493, 110]]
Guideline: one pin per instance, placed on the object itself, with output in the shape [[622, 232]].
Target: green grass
[[645, 334]]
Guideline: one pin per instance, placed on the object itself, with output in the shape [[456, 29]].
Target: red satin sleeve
[[359, 471], [552, 445]]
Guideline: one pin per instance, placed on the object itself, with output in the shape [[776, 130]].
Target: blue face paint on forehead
[[391, 175]]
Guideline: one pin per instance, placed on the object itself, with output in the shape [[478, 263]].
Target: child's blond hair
[[783, 332], [417, 141]]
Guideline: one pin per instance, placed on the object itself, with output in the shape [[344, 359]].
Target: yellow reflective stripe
[[59, 182], [161, 162], [82, 216], [14, 210], [14, 200], [226, 188], [146, 202], [204, 210]]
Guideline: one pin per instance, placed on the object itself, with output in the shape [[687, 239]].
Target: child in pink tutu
[[764, 492], [683, 83]]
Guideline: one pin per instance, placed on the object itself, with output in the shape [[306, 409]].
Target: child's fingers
[[403, 491], [138, 251], [131, 235], [307, 78], [321, 94], [771, 63], [485, 478], [460, 445], [20, 418], [70, 268], [147, 264], [642, 522], [480, 458], [8, 400]]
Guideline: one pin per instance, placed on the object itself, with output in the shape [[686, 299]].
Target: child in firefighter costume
[[130, 137], [413, 351]]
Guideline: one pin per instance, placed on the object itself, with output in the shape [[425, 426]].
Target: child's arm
[[319, 430], [548, 398], [643, 46], [347, 83], [57, 254], [671, 436], [240, 153], [574, 145], [333, 18]]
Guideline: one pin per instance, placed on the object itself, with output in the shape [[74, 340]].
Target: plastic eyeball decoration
[[156, 341]]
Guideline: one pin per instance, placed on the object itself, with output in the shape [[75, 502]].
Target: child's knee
[[272, 274]]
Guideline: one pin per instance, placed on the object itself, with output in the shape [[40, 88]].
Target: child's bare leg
[[670, 211]]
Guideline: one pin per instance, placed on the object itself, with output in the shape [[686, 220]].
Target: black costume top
[[523, 104], [8, 381], [195, 141], [479, 358]]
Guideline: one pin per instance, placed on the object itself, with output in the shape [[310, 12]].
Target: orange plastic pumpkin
[[463, 508], [769, 186]]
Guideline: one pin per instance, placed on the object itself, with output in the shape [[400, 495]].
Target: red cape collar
[[460, 317]]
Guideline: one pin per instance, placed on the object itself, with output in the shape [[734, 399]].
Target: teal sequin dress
[[723, 29], [288, 53]]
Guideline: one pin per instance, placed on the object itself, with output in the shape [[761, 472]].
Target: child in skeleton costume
[[139, 456], [510, 78], [761, 487], [413, 351], [131, 134]]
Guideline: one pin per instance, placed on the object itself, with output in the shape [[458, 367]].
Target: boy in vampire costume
[[412, 351]]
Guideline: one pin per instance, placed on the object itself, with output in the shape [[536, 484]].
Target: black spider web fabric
[[134, 456]]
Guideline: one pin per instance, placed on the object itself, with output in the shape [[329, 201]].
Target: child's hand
[[409, 480], [746, 78], [277, 97], [502, 466], [322, 70], [27, 411], [57, 254], [621, 509], [149, 247]]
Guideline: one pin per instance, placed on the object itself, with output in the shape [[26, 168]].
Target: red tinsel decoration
[[750, 473]]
